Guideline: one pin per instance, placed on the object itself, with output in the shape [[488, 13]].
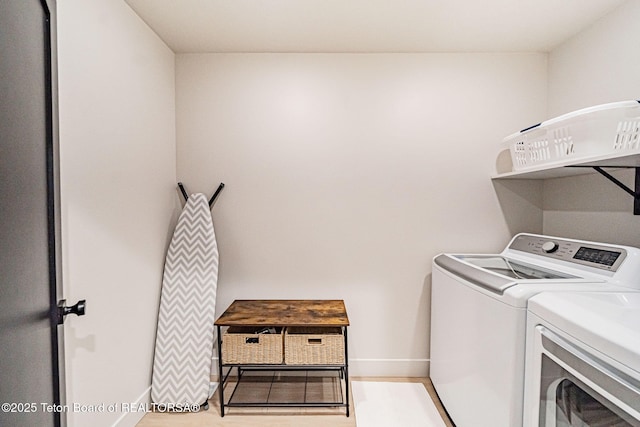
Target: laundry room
[[356, 141]]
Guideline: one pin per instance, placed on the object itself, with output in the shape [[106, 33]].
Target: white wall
[[599, 65], [117, 143], [347, 173]]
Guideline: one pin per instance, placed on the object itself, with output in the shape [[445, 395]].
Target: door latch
[[78, 309]]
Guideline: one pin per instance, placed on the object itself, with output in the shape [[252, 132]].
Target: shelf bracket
[[634, 193]]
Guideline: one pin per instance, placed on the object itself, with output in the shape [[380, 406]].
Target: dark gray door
[[29, 374]]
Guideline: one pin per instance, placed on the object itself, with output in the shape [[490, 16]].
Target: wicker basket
[[313, 346], [245, 345]]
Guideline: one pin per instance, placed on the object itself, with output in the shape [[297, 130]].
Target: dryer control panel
[[595, 255]]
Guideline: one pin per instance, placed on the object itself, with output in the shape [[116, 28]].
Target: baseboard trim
[[389, 368], [133, 417]]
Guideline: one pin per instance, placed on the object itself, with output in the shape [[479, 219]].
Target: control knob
[[549, 247]]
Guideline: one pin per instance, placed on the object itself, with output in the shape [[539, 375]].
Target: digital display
[[597, 256]]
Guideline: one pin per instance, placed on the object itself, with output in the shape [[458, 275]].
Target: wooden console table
[[283, 313]]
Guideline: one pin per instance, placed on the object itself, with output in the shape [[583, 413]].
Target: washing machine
[[479, 313], [583, 360]]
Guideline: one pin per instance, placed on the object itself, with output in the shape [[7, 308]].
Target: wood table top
[[285, 313]]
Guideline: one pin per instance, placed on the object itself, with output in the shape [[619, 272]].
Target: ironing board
[[184, 338]]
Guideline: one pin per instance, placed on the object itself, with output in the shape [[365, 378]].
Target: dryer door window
[[576, 406], [565, 401]]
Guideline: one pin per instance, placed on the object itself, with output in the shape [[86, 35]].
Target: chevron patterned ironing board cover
[[184, 338]]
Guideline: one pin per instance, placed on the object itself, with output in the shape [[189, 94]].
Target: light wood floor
[[274, 417]]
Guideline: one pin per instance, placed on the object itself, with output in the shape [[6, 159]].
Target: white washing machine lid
[[498, 274], [513, 268], [533, 263], [606, 321]]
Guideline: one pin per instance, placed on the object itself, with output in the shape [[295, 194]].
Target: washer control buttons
[[550, 247]]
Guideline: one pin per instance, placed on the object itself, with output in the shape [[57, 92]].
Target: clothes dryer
[[583, 360]]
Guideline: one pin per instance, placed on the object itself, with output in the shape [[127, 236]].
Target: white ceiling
[[369, 25]]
